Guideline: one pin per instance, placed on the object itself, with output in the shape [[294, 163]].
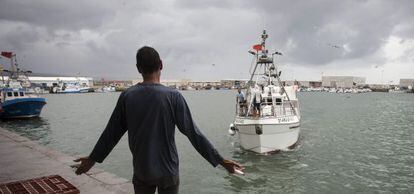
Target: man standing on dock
[[149, 112]]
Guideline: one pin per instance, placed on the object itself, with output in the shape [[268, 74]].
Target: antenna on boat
[[264, 37]]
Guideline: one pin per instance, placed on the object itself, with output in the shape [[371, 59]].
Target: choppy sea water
[[350, 143]]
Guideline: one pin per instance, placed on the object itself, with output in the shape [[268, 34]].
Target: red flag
[[257, 47], [7, 54]]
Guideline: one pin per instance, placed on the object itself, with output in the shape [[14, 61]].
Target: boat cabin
[[9, 93], [269, 101]]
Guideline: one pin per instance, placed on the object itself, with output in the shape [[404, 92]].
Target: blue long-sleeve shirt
[[150, 112]]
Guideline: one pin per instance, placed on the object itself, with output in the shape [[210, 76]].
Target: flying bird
[[335, 46]]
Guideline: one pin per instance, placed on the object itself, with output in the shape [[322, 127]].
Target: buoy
[[232, 129]]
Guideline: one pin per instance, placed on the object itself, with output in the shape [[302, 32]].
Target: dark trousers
[[149, 187]]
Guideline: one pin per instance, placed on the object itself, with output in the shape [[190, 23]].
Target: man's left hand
[[85, 164], [232, 166]]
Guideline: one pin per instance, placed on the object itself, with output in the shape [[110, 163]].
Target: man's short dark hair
[[148, 60]]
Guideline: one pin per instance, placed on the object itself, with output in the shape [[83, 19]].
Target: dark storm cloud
[[205, 4], [66, 15], [20, 37], [100, 38], [359, 28], [363, 26], [58, 36]]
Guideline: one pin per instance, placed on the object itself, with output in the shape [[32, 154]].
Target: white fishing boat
[[110, 88], [268, 119], [71, 87]]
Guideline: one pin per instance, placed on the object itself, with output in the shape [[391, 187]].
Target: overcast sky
[[209, 39]]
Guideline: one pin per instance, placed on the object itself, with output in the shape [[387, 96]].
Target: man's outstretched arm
[[113, 132], [186, 125]]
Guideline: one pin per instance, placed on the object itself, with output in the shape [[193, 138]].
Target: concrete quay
[[21, 158]]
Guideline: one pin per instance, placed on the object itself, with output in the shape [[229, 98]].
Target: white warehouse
[[46, 81], [342, 81], [405, 83], [50, 81]]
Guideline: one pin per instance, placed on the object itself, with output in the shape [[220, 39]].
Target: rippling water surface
[[349, 143]]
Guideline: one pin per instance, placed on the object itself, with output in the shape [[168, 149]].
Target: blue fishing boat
[[14, 102]]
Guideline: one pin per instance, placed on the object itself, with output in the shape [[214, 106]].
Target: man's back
[[150, 112]]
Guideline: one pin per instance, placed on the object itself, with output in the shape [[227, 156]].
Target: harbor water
[[350, 143]]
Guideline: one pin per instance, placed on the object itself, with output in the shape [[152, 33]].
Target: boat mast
[[264, 59], [263, 44]]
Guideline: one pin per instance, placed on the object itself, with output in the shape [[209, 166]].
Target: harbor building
[[50, 81], [120, 83], [204, 84], [406, 83], [342, 81], [315, 84], [233, 83], [175, 83], [185, 83], [306, 84]]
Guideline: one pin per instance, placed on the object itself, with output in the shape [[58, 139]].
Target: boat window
[[9, 94], [278, 101], [21, 94], [15, 94]]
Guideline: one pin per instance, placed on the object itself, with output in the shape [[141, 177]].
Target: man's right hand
[[231, 166]]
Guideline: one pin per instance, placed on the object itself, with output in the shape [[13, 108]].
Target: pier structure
[[23, 159]]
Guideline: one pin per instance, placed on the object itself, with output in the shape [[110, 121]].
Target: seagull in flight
[[335, 46]]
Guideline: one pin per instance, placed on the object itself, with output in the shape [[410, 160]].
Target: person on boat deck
[[241, 101], [149, 112], [267, 95], [257, 95]]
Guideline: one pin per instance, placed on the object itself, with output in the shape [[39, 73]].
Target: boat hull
[[74, 91], [22, 108], [265, 138]]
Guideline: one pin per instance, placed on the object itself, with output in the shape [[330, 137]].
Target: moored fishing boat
[[14, 101], [72, 87]]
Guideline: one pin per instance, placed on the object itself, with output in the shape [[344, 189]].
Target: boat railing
[[267, 109]]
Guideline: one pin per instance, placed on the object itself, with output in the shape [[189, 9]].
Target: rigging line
[[254, 71], [248, 92], [283, 88], [251, 64], [252, 99]]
